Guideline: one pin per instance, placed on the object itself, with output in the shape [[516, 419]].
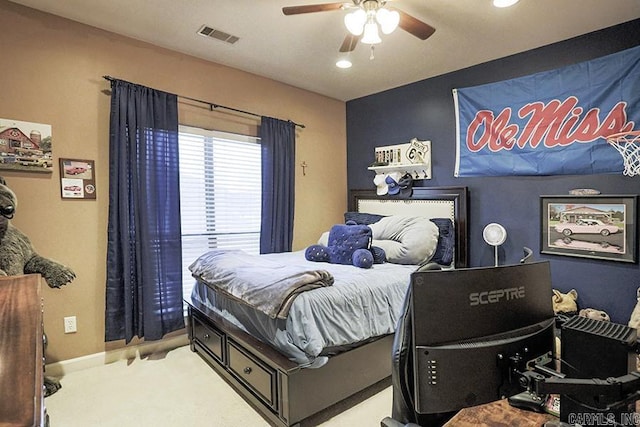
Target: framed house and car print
[[600, 227]]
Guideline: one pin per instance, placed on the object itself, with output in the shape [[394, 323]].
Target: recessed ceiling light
[[504, 3], [343, 63]]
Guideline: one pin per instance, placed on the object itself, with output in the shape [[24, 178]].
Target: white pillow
[[406, 239], [324, 239]]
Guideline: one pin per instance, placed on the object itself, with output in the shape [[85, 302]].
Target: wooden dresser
[[21, 352]]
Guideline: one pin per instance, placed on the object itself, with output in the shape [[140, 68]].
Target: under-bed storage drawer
[[256, 375], [208, 337]]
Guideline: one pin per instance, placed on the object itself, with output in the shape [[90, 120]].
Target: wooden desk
[[498, 414], [21, 352]]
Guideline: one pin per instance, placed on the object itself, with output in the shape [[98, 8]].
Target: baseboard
[[59, 369]]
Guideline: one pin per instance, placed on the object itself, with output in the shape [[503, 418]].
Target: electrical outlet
[[70, 325]]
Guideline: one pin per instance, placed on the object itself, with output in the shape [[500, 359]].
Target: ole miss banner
[[549, 123]]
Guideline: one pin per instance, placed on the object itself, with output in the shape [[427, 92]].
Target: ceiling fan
[[363, 21]]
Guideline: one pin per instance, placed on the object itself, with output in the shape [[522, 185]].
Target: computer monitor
[[474, 327]]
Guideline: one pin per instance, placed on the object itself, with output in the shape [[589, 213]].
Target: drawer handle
[[247, 370], [206, 336]]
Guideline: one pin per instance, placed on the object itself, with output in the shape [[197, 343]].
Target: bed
[[289, 373]]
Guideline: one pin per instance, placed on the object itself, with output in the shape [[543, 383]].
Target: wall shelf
[[417, 171], [413, 158]]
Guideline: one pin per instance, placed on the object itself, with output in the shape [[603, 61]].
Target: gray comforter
[[260, 282], [361, 304]]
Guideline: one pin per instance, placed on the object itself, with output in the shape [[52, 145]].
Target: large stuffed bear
[[17, 256]]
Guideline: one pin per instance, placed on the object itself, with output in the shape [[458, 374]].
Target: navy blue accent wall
[[425, 110]]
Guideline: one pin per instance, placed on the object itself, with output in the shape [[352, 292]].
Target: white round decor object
[[494, 234]]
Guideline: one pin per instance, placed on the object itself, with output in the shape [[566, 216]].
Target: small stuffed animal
[[565, 303], [634, 321], [349, 244], [17, 256], [592, 313]]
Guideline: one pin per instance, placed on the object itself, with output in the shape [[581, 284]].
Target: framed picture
[[25, 146], [77, 179], [599, 227]]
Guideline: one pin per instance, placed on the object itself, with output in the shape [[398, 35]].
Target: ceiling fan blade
[[414, 26], [310, 8], [349, 43]]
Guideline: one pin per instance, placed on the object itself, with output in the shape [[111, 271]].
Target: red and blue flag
[[550, 123]]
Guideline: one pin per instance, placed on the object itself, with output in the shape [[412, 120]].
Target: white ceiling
[[301, 50]]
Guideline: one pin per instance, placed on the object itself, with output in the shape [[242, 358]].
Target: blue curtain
[[144, 261], [277, 138]]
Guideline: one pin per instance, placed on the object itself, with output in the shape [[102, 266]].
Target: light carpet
[[174, 388]]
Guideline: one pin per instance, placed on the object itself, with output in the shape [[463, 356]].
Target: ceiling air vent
[[217, 34]]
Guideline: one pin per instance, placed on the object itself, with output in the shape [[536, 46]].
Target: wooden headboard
[[434, 202]]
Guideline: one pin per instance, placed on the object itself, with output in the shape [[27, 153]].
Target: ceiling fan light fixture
[[344, 63], [371, 35], [355, 21], [388, 20], [504, 3]]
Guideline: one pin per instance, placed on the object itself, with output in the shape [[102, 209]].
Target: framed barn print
[[25, 146], [599, 226]]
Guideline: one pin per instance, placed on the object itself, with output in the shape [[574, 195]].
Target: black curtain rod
[[213, 106]]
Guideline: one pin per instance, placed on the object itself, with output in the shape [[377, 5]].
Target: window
[[220, 194]]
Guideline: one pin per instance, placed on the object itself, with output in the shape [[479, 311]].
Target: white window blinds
[[220, 194]]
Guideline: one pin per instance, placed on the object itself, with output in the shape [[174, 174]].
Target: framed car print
[[594, 226], [77, 179]]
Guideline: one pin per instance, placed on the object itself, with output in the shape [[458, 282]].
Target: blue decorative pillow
[[446, 241], [345, 239], [317, 253], [379, 255], [362, 258], [348, 244], [362, 218]]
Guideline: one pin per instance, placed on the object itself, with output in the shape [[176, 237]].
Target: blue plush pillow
[[348, 244], [362, 258], [379, 255], [344, 240], [362, 218], [317, 253], [446, 241]]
